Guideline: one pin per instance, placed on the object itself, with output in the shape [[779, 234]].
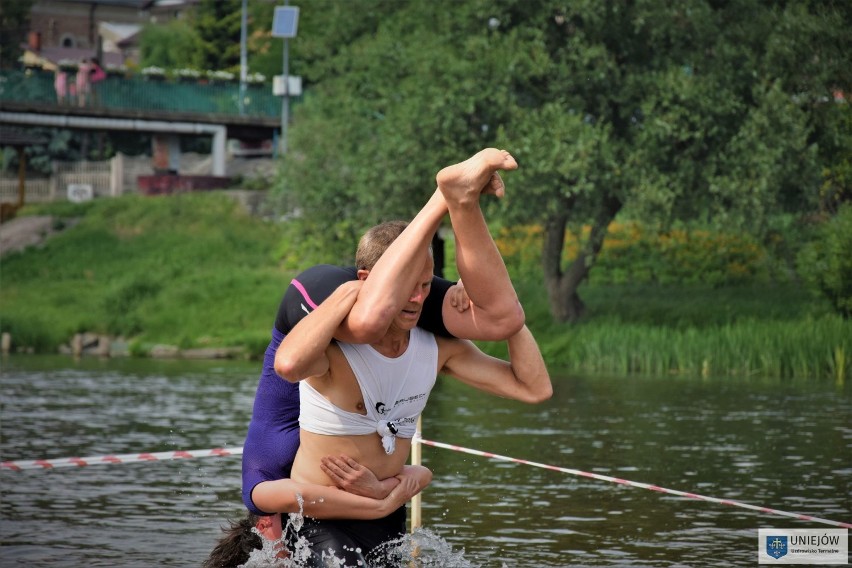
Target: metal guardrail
[[143, 94]]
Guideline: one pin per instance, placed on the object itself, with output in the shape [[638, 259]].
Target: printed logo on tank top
[[383, 410]]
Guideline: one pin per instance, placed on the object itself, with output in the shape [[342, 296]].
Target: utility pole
[[243, 58], [285, 23]]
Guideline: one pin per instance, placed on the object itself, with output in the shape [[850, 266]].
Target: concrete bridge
[[166, 109]]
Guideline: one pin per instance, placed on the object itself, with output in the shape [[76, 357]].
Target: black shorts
[[358, 543]]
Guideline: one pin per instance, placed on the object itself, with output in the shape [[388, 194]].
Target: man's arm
[[495, 313], [391, 280], [524, 377], [321, 502]]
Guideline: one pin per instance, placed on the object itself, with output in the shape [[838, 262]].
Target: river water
[[779, 444]]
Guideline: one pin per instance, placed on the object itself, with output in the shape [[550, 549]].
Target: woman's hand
[[458, 297], [352, 477]]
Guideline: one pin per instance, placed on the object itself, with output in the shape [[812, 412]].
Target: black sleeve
[[307, 291], [432, 318], [311, 287]]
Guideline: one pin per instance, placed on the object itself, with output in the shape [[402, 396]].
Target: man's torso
[[398, 395]]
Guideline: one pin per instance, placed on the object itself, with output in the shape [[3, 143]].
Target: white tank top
[[395, 391]]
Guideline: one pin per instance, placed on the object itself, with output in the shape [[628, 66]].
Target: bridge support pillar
[[218, 151], [165, 152]]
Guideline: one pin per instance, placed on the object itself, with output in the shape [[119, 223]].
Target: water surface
[[785, 445]]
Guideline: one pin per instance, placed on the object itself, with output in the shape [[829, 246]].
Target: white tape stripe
[[629, 483], [184, 454], [118, 458]]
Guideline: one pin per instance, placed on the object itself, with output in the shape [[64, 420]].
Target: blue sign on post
[[285, 22]]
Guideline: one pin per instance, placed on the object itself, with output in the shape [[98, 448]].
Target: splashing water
[[266, 556], [427, 549], [423, 549]]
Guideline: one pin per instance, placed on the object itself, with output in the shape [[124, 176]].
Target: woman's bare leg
[[496, 312]]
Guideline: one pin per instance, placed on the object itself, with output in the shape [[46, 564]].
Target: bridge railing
[[141, 93]]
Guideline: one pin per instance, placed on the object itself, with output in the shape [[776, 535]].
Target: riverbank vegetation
[[197, 271]]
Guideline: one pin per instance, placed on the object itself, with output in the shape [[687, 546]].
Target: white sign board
[[80, 192], [293, 87]]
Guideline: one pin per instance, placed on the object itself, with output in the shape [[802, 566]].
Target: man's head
[[373, 245], [375, 242]]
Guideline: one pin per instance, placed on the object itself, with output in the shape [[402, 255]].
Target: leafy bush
[[633, 254], [825, 263]]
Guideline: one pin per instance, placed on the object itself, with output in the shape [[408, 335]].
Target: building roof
[[119, 34], [51, 57]]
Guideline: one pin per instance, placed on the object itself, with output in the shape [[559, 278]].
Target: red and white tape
[[629, 483], [224, 452], [118, 458]]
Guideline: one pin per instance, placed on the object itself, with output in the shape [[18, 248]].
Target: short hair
[[236, 545], [376, 241]]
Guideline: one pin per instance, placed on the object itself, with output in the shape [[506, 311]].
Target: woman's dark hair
[[236, 545]]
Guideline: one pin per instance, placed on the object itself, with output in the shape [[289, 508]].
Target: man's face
[[410, 314]]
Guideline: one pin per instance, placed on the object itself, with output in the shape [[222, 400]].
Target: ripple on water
[[481, 512]]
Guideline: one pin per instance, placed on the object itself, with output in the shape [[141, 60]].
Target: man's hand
[[458, 297], [350, 476]]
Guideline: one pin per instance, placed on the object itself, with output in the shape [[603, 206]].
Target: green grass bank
[[196, 270]]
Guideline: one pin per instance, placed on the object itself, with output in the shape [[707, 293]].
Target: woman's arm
[[352, 477], [321, 502], [302, 352]]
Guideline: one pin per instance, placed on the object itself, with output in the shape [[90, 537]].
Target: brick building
[[96, 27]]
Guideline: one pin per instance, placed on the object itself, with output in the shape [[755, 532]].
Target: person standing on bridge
[[96, 75], [83, 83], [60, 85]]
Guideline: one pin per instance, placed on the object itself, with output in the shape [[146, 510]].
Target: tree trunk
[[565, 302]]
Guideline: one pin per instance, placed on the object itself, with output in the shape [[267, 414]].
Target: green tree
[[14, 25], [826, 260], [169, 46], [217, 24], [704, 110], [720, 111], [210, 39]]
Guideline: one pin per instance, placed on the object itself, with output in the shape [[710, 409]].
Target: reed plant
[[808, 348]]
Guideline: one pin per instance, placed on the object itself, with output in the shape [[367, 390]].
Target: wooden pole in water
[[416, 456]]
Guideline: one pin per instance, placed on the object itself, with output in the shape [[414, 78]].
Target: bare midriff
[[367, 450]]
